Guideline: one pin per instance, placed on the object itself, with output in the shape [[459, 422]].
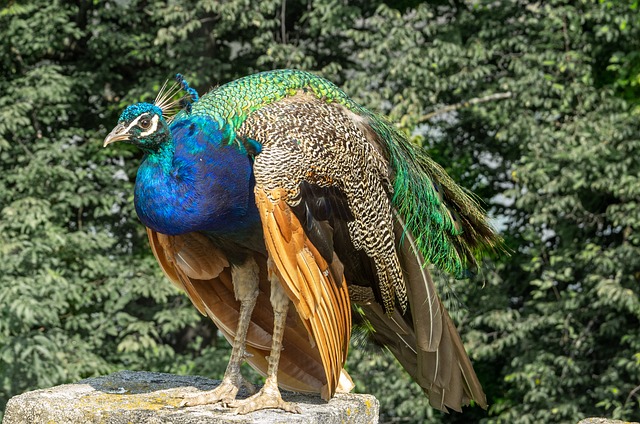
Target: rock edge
[[147, 397]]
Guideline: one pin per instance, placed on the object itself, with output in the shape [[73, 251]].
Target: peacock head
[[146, 125], [142, 125]]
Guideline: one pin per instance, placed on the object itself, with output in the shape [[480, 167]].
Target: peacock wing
[[321, 302], [300, 368], [193, 264]]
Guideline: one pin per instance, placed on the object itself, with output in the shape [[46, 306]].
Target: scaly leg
[[245, 286], [269, 396]]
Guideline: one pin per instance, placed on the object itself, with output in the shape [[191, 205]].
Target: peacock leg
[[269, 396], [245, 285]]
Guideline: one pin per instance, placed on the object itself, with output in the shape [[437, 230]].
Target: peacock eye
[[144, 123]]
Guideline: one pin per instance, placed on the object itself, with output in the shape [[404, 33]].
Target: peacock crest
[[170, 105]]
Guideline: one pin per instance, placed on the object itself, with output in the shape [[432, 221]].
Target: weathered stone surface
[[604, 421], [145, 397]]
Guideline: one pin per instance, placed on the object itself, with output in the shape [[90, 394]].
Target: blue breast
[[197, 182]]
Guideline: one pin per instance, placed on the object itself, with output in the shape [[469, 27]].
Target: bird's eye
[[144, 123]]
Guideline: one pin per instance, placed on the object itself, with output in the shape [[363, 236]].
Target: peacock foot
[[268, 397], [224, 394]]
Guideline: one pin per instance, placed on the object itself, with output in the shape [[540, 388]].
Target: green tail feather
[[449, 226]]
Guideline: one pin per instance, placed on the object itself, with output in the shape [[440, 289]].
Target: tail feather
[[425, 340], [420, 286], [448, 368], [449, 226]]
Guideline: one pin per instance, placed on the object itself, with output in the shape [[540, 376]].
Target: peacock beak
[[119, 133]]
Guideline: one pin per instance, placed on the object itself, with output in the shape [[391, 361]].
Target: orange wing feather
[[195, 265], [322, 302]]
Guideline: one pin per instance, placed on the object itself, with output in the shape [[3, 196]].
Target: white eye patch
[[154, 126]]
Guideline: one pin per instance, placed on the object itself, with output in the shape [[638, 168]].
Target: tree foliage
[[552, 328]]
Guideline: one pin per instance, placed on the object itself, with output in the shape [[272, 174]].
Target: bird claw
[[264, 399], [224, 394]]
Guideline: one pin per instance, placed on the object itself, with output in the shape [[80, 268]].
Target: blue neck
[[197, 182]]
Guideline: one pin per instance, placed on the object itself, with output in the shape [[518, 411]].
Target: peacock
[[278, 189]]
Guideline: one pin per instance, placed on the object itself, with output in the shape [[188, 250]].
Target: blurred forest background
[[551, 143]]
